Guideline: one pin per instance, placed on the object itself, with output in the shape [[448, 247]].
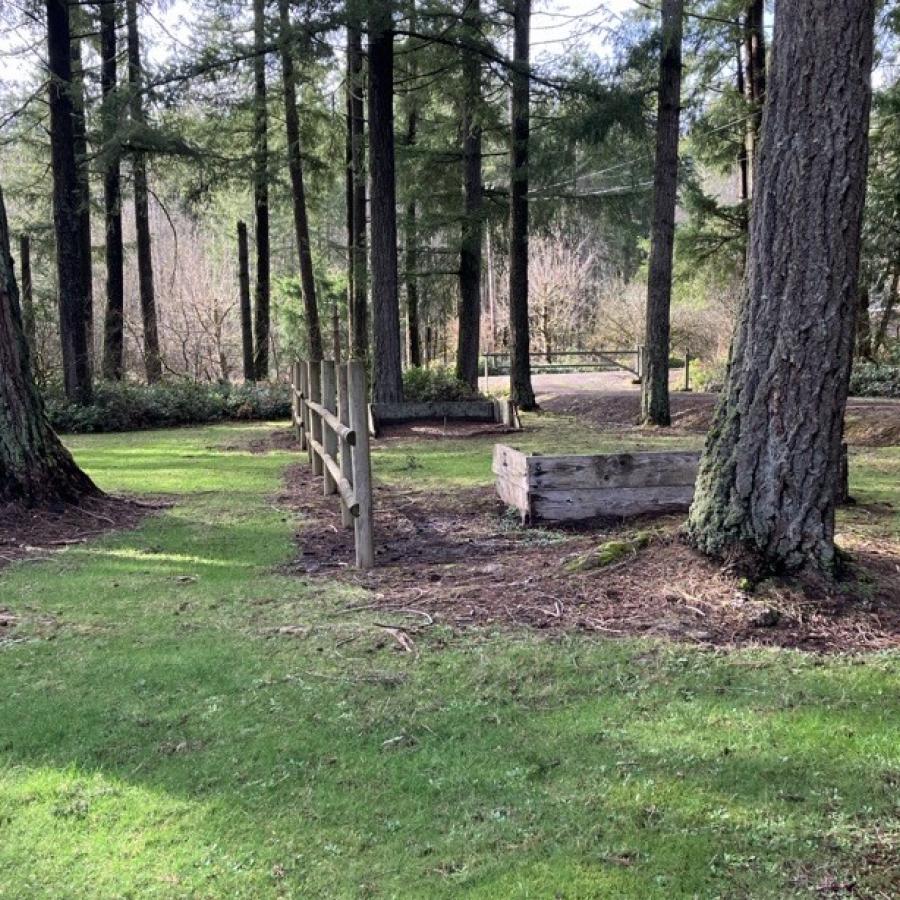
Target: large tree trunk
[[521, 390], [246, 310], [34, 465], [655, 400], [146, 288], [359, 343], [79, 125], [387, 382], [298, 193], [261, 192], [770, 472], [114, 318], [473, 227], [69, 247]]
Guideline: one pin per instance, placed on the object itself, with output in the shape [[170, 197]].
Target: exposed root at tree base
[[456, 558], [35, 532]]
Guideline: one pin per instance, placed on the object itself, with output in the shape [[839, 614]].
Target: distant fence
[[573, 361], [330, 415]]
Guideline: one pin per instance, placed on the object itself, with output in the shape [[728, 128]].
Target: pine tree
[[34, 466], [770, 473]]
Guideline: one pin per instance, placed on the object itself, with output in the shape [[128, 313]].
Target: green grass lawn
[[158, 739]]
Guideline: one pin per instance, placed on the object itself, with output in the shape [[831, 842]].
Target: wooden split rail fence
[[331, 417]]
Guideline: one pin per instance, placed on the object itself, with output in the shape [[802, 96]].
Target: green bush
[[131, 407], [875, 380], [708, 376], [423, 385]]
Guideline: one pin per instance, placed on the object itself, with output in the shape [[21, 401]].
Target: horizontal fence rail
[[331, 418], [574, 360]]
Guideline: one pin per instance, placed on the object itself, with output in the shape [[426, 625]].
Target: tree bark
[[246, 310], [770, 472], [655, 399], [387, 382], [469, 337], [79, 125], [359, 343], [114, 317], [521, 390], [298, 192], [69, 247], [34, 466], [261, 193], [146, 288], [28, 322]]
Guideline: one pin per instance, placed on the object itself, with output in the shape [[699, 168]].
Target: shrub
[[423, 385], [124, 406], [875, 380], [708, 376]]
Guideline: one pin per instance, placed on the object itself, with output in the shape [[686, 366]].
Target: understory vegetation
[[181, 718], [128, 406]]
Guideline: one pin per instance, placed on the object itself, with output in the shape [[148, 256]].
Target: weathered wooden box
[[572, 488]]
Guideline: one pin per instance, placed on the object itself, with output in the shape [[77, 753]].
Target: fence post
[[329, 438], [362, 472], [345, 452], [315, 422], [296, 422], [301, 405]]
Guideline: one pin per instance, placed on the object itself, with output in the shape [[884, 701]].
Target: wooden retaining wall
[[497, 410], [573, 488]]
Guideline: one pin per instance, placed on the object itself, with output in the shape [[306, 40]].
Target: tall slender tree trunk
[[146, 288], [863, 325], [69, 247], [521, 390], [34, 465], [79, 124], [469, 337], [246, 310], [28, 322], [359, 342], [411, 257], [387, 382], [891, 298], [410, 219], [298, 192], [655, 400], [755, 80], [770, 473], [261, 193], [743, 154], [348, 192], [114, 318]]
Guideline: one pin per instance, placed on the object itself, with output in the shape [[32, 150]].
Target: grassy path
[[158, 738]]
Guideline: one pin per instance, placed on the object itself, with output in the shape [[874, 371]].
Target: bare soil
[[34, 533], [458, 559]]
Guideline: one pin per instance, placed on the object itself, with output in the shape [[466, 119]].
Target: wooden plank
[[357, 393], [510, 463], [347, 443], [574, 505], [334, 423], [616, 470], [513, 492], [328, 438], [471, 410]]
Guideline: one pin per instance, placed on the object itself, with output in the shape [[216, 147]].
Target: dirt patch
[[868, 423], [459, 559], [281, 439], [34, 533]]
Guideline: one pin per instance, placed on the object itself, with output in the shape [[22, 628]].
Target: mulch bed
[[459, 560], [33, 533]]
